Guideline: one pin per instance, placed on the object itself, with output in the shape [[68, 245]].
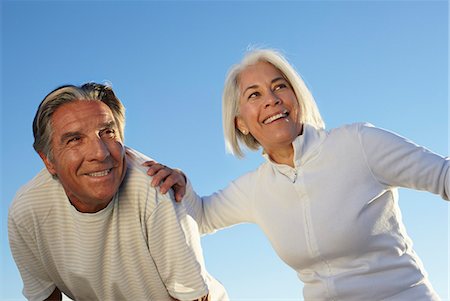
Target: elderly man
[[90, 225]]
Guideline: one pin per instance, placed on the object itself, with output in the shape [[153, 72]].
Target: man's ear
[[48, 164], [241, 126]]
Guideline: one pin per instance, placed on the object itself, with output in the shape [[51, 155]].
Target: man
[[90, 225]]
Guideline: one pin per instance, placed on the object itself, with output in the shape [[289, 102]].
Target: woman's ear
[[241, 126]]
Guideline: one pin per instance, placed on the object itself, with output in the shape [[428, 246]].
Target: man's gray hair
[[42, 125]]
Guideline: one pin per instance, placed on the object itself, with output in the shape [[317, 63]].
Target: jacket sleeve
[[227, 207], [397, 161]]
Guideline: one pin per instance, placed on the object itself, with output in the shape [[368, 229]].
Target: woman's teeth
[[275, 117]]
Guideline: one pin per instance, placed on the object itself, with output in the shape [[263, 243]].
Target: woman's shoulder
[[351, 131], [252, 175], [355, 127]]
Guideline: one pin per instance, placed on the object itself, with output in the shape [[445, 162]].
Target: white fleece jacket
[[334, 218]]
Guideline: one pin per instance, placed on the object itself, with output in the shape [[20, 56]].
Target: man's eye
[[108, 133], [73, 140]]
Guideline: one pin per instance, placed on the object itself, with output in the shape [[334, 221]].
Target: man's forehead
[[82, 114]]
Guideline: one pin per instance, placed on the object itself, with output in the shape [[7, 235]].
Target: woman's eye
[[280, 86], [253, 95]]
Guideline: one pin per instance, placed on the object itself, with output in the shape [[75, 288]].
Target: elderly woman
[[327, 200]]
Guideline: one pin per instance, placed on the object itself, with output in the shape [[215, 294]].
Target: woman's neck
[[283, 155]]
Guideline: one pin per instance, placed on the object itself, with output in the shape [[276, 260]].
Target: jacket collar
[[306, 148]]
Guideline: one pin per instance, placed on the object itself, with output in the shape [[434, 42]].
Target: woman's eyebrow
[[249, 87], [277, 79]]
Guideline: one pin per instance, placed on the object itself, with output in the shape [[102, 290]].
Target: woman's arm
[[224, 208], [397, 161]]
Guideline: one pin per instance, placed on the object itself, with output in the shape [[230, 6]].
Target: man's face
[[88, 154]]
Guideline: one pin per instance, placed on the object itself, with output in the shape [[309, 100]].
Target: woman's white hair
[[309, 113]]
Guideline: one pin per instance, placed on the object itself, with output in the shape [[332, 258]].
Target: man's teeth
[[100, 173], [275, 117]]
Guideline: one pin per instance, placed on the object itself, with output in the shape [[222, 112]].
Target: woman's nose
[[272, 99]]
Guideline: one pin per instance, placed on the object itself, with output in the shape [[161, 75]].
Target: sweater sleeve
[[397, 161], [175, 247], [37, 285], [229, 206]]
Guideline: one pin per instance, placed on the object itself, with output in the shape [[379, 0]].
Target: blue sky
[[384, 62]]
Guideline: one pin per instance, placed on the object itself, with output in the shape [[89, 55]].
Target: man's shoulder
[[137, 184], [41, 181], [37, 195], [136, 172], [42, 184]]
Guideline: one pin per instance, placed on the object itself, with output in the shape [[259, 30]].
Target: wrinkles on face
[[268, 108], [88, 154]]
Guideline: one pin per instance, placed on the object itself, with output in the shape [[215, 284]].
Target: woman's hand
[[166, 178]]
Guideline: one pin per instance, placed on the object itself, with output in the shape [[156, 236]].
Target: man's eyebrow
[[108, 124], [70, 135]]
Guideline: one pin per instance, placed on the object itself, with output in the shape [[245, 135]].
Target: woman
[[327, 200]]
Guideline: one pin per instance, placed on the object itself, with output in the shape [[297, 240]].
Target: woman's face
[[268, 107]]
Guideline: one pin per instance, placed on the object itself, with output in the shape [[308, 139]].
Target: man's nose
[[98, 150]]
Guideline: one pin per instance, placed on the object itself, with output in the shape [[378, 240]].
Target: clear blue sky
[[384, 62]]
